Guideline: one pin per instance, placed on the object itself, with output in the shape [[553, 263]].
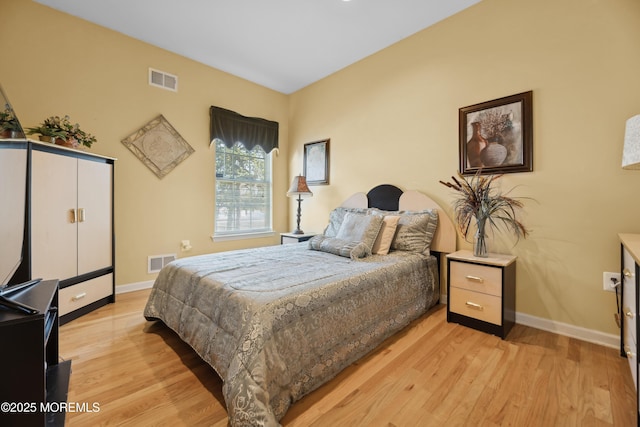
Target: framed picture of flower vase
[[497, 136]]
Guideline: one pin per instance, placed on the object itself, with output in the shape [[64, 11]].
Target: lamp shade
[[299, 188], [631, 151]]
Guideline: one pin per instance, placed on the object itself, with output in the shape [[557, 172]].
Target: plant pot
[[69, 143], [44, 138]]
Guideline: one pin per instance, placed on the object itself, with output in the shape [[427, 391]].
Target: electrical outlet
[[610, 281], [185, 245]]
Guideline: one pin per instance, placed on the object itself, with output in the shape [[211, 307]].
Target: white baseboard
[[589, 335], [584, 334], [131, 287]]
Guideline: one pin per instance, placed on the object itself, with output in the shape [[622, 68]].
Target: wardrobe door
[[54, 179], [94, 215]]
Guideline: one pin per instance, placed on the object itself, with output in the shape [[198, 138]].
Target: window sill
[[242, 236]]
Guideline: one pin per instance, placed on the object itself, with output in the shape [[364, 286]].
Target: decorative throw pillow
[[415, 231], [340, 247], [337, 216], [386, 234], [360, 228]]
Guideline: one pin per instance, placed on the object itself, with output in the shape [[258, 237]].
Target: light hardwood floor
[[431, 374]]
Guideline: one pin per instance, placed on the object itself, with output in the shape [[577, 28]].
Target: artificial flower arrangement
[[479, 200], [56, 127]]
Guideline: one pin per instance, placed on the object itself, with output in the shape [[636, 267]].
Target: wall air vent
[[156, 262], [163, 80]]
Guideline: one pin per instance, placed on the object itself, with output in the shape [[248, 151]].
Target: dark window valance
[[231, 127]]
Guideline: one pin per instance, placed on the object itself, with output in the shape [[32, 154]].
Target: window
[[243, 172], [243, 190]]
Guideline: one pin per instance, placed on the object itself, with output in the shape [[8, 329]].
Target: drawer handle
[[474, 306], [628, 352], [626, 273], [476, 279], [628, 313], [79, 296]]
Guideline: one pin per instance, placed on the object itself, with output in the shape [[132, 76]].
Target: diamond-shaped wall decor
[[159, 146]]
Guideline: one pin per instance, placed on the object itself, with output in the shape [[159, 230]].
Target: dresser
[[70, 226], [481, 292], [630, 273]]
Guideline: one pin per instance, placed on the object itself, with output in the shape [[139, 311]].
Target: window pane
[[243, 190]]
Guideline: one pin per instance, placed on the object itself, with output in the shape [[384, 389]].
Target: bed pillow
[[415, 231], [386, 234], [340, 247], [360, 228], [336, 217]]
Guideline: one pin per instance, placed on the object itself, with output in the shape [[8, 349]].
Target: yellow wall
[[55, 64], [393, 118]]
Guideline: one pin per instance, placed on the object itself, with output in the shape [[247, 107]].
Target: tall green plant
[[479, 200]]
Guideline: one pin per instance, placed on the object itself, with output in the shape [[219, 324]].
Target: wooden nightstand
[[294, 238], [481, 292]]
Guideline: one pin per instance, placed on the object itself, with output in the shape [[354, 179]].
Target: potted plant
[[81, 137], [9, 125], [481, 202], [62, 132], [49, 130]]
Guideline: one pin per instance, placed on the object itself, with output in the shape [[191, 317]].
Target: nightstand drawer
[[476, 305], [474, 277]]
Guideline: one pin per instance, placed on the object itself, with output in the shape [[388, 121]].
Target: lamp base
[[297, 231]]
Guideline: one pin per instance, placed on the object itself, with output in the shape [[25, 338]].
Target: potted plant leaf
[[479, 202], [9, 125], [61, 131]]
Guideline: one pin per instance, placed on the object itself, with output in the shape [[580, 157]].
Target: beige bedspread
[[279, 321]]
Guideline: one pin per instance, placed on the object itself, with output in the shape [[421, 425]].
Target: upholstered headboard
[[391, 198]]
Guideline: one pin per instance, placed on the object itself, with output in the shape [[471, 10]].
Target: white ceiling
[[284, 45]]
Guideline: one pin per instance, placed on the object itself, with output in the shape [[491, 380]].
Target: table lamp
[[299, 188], [631, 151]]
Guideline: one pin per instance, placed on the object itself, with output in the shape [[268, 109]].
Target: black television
[[13, 202]]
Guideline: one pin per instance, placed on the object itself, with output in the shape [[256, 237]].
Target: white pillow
[[387, 232]]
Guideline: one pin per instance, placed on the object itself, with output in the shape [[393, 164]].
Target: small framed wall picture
[[497, 136], [316, 162]]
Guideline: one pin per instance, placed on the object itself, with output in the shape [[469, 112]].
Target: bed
[[277, 322]]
